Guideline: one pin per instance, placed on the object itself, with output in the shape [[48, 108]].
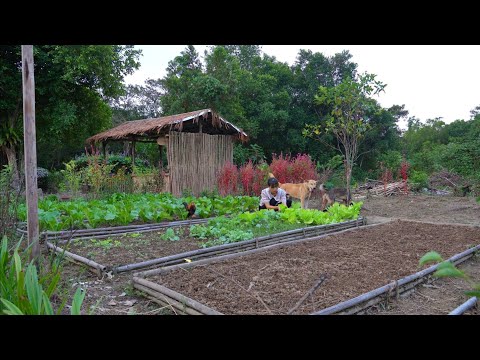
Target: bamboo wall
[[194, 160]]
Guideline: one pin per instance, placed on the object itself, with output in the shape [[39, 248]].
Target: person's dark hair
[[272, 182]]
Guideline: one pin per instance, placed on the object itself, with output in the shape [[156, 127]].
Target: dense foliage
[[80, 91], [123, 209]]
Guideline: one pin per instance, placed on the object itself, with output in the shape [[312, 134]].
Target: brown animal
[[299, 191], [332, 195]]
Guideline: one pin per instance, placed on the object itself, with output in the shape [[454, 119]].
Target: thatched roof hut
[[197, 143], [204, 121]]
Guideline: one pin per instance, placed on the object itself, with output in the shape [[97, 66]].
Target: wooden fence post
[[30, 148]]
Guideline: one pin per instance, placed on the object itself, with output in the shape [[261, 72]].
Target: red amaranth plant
[[247, 174], [259, 180], [386, 176], [404, 173], [281, 167], [227, 179], [303, 168]]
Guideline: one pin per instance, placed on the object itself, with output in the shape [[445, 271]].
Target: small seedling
[[170, 235]]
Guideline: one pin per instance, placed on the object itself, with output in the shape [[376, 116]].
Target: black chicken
[[190, 209]]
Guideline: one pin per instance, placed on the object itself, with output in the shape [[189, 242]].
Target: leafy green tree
[[310, 71], [347, 119], [383, 135], [72, 86], [179, 83]]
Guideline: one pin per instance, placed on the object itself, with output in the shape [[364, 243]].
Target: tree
[[179, 83], [310, 71], [72, 84], [347, 119]]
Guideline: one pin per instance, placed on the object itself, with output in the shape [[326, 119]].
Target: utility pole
[[30, 150]]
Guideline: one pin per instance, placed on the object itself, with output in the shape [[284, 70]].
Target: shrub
[[55, 178], [227, 179], [281, 167], [23, 291], [9, 200], [303, 168], [418, 180], [247, 174]]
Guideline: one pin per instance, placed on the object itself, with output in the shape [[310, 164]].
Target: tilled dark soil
[[437, 298], [446, 209], [354, 262], [129, 249]]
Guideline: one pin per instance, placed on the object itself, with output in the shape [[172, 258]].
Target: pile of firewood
[[379, 188]]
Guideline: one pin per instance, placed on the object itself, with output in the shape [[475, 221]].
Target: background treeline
[[80, 91]]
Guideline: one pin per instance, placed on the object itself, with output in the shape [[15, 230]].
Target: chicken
[[190, 209]]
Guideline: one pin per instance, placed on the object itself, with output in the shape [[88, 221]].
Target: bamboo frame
[[247, 245], [260, 242], [351, 306], [97, 268], [467, 305], [402, 286]]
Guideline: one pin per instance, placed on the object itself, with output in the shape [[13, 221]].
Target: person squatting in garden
[[272, 196]]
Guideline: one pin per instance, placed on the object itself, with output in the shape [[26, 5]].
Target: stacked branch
[[379, 188]]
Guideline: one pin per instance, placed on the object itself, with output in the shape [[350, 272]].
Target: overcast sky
[[431, 80]]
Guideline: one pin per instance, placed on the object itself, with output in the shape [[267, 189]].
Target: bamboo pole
[[30, 150], [164, 300], [307, 294], [464, 307], [345, 305], [127, 227], [100, 269], [225, 248], [177, 296]]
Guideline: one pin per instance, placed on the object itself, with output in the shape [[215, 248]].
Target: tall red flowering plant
[[227, 179], [404, 173], [247, 174], [303, 168], [281, 167]]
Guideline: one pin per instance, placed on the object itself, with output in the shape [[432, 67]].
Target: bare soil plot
[[355, 262], [446, 209], [133, 248], [437, 298], [114, 296]]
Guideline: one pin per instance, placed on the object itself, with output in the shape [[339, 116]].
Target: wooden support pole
[[133, 155], [30, 149], [160, 163], [104, 149]]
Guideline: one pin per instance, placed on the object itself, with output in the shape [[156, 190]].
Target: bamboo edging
[[467, 305], [242, 246], [83, 234], [406, 284], [179, 298], [91, 265], [352, 306]]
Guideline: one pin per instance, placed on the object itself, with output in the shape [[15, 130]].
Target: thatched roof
[[150, 129]]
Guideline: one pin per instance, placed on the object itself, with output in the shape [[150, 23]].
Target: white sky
[[431, 80]]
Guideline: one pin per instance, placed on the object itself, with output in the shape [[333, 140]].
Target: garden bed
[[136, 251], [274, 280]]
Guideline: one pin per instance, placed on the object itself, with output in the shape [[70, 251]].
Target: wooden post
[[30, 149], [104, 149], [133, 155], [160, 165]]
